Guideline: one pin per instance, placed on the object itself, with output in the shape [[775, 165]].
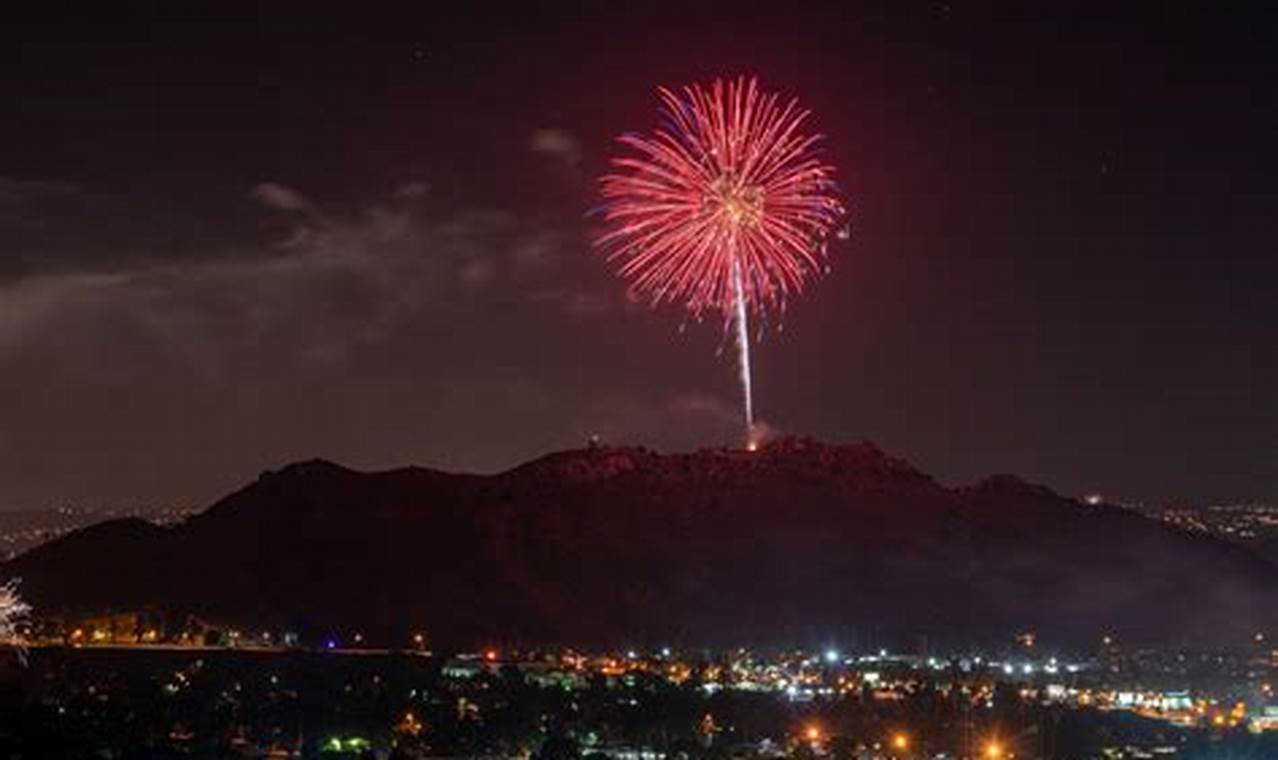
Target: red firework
[[726, 208]]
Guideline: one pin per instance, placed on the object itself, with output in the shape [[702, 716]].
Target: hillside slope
[[801, 541]]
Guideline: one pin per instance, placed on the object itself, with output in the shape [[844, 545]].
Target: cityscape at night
[[235, 694], [24, 529], [639, 381]]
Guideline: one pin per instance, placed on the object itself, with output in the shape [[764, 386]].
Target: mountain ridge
[[800, 539]]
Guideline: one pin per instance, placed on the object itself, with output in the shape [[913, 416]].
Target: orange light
[[409, 725], [813, 733], [900, 741], [994, 750], [490, 655]]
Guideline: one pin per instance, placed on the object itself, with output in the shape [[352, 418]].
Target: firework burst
[[12, 612], [725, 209]]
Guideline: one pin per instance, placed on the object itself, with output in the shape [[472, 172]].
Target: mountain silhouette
[[800, 542]]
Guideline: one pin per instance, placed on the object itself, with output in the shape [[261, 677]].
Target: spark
[[725, 209], [13, 611]]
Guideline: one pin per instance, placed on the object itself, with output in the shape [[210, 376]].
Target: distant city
[[25, 529], [1252, 524]]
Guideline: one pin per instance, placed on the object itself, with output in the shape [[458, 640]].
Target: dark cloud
[[53, 226], [388, 321], [330, 284], [558, 143], [280, 197]]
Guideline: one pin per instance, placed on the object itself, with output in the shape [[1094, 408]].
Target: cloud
[[411, 190], [14, 191], [328, 285], [30, 303], [52, 227], [557, 143], [280, 197], [387, 334]]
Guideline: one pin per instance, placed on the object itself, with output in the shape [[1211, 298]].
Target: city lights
[[795, 677]]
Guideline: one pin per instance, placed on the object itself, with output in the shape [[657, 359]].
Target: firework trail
[[743, 345], [724, 209]]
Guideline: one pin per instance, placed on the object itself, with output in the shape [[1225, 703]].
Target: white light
[[831, 655]]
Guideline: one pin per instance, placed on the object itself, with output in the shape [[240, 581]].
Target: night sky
[[233, 241]]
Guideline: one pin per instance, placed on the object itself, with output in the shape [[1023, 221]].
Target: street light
[[900, 742], [994, 750]]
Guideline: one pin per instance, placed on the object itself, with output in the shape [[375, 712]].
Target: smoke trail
[[743, 347]]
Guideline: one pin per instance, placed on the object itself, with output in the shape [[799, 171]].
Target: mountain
[[800, 542]]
